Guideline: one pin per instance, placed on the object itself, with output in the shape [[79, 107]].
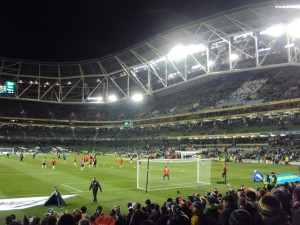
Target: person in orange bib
[[166, 173]]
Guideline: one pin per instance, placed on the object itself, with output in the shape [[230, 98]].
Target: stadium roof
[[146, 68]]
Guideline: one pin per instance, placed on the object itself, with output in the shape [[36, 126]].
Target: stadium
[[220, 90]]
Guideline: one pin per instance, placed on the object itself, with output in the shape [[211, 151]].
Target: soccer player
[[44, 163], [53, 163], [166, 173], [21, 157], [131, 158], [82, 164], [94, 186], [75, 161], [91, 162], [121, 162], [224, 171]]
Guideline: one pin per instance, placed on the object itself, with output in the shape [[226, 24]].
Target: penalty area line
[[71, 187]]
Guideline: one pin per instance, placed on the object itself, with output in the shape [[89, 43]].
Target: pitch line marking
[[71, 187]]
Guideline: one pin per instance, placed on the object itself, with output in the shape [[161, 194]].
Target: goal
[[4, 150], [183, 173]]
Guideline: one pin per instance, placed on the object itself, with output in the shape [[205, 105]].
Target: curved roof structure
[[231, 41]]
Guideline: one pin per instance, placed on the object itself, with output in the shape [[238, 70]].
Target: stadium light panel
[[275, 31], [96, 99], [287, 6], [211, 63], [112, 98], [290, 45], [177, 53], [180, 52], [293, 29], [234, 57], [137, 97]]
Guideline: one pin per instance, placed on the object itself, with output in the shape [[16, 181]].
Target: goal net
[[4, 150], [183, 173]]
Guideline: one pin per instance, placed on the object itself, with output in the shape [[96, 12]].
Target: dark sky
[[59, 30]]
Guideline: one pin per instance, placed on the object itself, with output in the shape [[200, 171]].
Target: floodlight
[[177, 53], [275, 31], [293, 29], [96, 99], [211, 63], [137, 97], [112, 98], [234, 57]]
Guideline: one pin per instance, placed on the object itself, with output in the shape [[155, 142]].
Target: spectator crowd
[[244, 206]]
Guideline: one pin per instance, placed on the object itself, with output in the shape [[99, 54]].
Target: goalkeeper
[[166, 173]]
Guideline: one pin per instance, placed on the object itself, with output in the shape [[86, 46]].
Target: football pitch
[[28, 179]]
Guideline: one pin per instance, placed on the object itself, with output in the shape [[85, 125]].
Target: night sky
[[60, 30]]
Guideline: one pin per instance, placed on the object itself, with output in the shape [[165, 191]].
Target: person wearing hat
[[229, 205], [240, 217], [211, 209], [251, 202], [94, 186], [270, 210], [198, 216]]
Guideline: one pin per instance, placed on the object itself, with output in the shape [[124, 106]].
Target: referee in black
[[94, 186]]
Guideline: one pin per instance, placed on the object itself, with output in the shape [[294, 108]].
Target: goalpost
[[183, 173]]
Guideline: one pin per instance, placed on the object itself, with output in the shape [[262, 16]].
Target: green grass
[[28, 179]]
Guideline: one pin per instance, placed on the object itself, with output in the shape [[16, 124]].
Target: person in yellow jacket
[[267, 181], [286, 159]]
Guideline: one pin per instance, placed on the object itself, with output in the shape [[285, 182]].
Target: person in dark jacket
[[94, 186], [229, 205]]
